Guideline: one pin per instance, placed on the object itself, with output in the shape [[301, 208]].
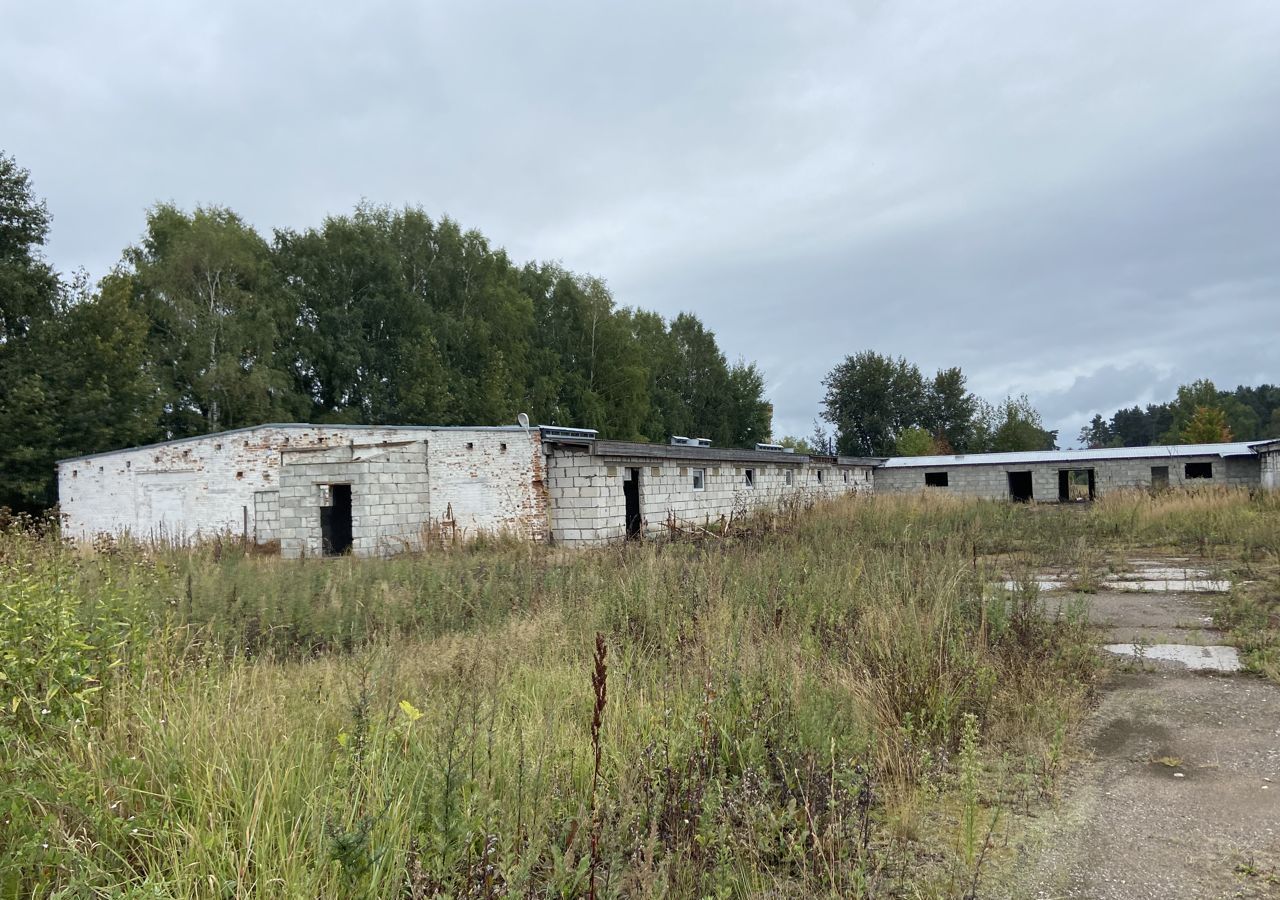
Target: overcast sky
[[1075, 200]]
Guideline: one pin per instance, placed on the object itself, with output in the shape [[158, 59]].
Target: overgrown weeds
[[815, 705]]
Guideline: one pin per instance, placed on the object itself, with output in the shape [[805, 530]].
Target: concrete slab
[[1177, 585], [1210, 658]]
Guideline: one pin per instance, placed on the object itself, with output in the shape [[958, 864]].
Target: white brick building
[[271, 482]]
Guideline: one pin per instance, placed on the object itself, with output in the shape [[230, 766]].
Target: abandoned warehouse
[[331, 489]]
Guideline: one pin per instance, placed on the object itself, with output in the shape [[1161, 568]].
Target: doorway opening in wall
[[1159, 478], [335, 521], [1020, 487], [631, 494], [1075, 485]]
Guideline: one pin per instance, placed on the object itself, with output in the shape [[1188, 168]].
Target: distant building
[[1070, 475]]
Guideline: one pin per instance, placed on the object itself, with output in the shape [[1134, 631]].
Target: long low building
[[330, 489], [1072, 475]]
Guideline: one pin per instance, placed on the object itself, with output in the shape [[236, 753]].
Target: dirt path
[[1180, 796]]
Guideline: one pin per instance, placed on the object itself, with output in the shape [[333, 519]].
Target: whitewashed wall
[[225, 483]]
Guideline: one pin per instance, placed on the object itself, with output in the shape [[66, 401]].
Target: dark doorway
[[1020, 487], [1064, 485], [1159, 477], [335, 521], [631, 493]]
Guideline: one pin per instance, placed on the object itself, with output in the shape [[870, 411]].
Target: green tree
[[949, 409], [207, 286], [914, 441], [1097, 433], [1240, 419], [1012, 425], [1207, 425], [871, 399]]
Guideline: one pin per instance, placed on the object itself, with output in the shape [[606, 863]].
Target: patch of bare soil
[[1179, 796]]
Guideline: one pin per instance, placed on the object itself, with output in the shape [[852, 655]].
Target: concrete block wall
[[992, 481], [1269, 470], [588, 505], [266, 516], [390, 497]]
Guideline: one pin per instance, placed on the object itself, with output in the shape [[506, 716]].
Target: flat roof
[[1238, 448], [294, 425]]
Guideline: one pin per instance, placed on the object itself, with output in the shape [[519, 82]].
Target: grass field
[[830, 702]]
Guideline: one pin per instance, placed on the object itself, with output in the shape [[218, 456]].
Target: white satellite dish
[[523, 419]]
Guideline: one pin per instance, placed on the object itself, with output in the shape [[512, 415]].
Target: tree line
[[382, 316], [1199, 414], [882, 406]]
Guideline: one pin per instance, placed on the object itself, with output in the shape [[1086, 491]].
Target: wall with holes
[[991, 481], [588, 504], [483, 479]]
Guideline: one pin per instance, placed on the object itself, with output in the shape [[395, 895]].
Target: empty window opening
[[790, 477], [1075, 485], [502, 447], [239, 475], [1159, 477], [470, 445], [749, 477], [819, 476], [699, 479], [1199, 470], [631, 496], [335, 519], [935, 479], [846, 476], [1020, 487]]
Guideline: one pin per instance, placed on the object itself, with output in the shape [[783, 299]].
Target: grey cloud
[[1076, 201]]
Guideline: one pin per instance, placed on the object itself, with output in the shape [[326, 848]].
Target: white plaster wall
[[207, 485], [588, 505]]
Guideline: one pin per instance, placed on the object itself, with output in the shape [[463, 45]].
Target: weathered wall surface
[[589, 506], [390, 497], [1269, 470], [992, 481], [221, 483]]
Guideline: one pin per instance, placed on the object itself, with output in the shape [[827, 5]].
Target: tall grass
[[782, 711]]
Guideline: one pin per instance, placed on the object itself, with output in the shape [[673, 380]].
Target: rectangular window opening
[[790, 477], [699, 479], [749, 477], [1199, 470], [1159, 477], [935, 479]]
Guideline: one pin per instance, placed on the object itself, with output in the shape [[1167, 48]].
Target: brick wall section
[[588, 505], [211, 485], [992, 481]]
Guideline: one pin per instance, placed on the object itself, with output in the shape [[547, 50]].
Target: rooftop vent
[[572, 435], [776, 448], [679, 440]]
